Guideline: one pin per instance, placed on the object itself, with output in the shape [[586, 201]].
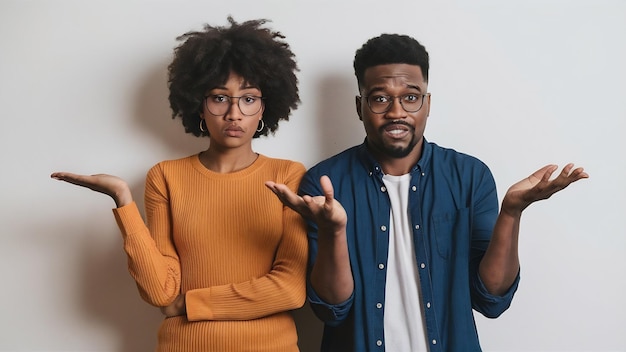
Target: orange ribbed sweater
[[228, 244]]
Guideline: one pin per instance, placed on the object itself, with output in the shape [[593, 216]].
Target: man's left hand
[[538, 186]]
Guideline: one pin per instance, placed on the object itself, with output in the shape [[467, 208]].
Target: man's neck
[[399, 166]]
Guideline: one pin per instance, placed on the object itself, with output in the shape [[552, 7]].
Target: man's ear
[[357, 101]]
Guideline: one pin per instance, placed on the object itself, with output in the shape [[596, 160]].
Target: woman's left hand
[[176, 308]]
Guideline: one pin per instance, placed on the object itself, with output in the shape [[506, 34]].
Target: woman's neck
[[227, 161]]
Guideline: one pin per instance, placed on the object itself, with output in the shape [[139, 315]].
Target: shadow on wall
[[309, 329], [110, 295], [338, 123], [153, 116], [339, 128]]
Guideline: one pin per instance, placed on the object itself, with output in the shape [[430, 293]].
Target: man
[[407, 239]]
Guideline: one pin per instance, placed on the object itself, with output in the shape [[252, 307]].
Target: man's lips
[[396, 129]]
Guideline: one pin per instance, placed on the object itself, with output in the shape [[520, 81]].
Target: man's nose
[[396, 110]]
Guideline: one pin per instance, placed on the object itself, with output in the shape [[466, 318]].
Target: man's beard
[[399, 152]]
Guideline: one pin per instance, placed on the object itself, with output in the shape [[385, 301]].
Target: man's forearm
[[500, 264], [331, 276]]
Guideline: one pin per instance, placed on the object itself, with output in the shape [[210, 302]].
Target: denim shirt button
[[414, 188], [379, 343], [381, 266], [383, 189], [434, 342], [379, 305], [417, 227], [383, 228], [422, 265]]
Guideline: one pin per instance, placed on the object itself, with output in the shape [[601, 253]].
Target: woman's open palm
[[110, 185]]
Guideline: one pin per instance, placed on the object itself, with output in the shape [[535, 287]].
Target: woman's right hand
[[110, 185]]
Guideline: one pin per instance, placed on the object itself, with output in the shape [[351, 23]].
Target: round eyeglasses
[[381, 103], [219, 104]]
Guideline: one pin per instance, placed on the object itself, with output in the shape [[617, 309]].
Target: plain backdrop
[[519, 84]]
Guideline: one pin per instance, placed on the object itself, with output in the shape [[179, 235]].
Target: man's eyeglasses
[[381, 103], [219, 104]]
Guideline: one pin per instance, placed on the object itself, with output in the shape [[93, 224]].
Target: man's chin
[[398, 152], [391, 150]]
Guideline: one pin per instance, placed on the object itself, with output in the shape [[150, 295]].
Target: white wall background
[[519, 84]]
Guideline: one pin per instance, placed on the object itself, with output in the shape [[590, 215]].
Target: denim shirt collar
[[374, 168]]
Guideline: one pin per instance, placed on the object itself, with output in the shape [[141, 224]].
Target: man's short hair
[[390, 49]]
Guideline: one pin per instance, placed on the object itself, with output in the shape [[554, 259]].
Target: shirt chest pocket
[[451, 231]]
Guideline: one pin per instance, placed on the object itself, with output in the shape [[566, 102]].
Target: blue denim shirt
[[453, 209]]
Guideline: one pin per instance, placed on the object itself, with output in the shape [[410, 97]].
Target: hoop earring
[[262, 126], [201, 121]]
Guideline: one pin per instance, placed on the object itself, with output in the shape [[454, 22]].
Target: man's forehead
[[394, 74]]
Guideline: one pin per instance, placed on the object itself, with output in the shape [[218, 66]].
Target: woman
[[219, 252]]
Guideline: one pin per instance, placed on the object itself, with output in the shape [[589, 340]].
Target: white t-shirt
[[404, 314]]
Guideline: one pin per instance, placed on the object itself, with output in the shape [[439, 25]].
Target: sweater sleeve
[[152, 258], [281, 289]]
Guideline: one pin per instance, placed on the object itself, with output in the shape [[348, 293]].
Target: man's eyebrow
[[415, 87], [382, 89], [375, 89]]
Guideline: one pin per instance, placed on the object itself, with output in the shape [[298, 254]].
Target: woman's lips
[[234, 131]]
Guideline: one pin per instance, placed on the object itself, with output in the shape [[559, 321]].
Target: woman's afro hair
[[205, 59]]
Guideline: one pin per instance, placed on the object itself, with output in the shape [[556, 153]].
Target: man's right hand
[[326, 211]]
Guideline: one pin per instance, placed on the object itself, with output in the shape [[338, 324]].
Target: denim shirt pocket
[[450, 227]]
